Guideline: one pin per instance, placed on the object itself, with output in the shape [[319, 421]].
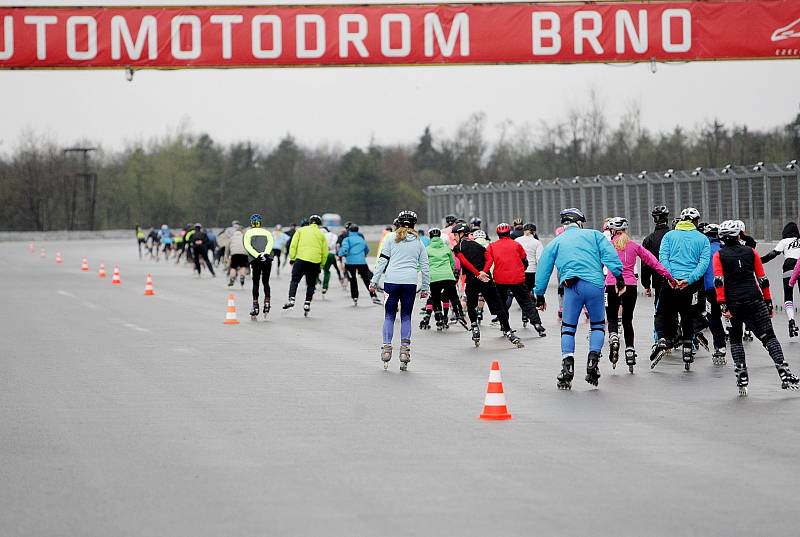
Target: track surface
[[130, 415]]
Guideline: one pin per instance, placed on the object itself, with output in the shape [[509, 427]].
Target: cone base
[[495, 417], [116, 283], [230, 321], [149, 293]]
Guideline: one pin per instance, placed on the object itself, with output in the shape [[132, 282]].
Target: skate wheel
[[742, 391], [477, 343], [385, 366], [630, 368], [687, 366]]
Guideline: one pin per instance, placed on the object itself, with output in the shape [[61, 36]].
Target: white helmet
[[741, 225], [617, 223], [478, 234], [730, 229], [690, 213]]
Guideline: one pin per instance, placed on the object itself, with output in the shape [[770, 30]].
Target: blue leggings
[[404, 293], [577, 296]]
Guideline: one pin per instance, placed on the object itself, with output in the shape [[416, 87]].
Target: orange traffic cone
[[58, 258], [41, 253], [102, 272], [115, 279], [494, 406], [230, 316], [148, 286], [85, 265]]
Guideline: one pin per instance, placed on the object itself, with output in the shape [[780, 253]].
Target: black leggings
[[523, 295], [361, 270], [446, 289], [202, 253], [474, 288], [672, 302], [261, 270], [755, 317], [308, 270], [628, 303]]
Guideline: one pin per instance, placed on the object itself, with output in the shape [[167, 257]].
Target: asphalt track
[[130, 415]]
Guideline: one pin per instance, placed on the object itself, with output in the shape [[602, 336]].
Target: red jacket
[[507, 257]]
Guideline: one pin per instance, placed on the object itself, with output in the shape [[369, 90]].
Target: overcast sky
[[346, 106]]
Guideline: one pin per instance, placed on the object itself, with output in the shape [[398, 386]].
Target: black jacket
[[652, 243]]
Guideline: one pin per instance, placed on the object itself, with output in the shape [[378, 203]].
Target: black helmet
[[315, 219], [347, 224], [450, 219], [435, 232], [461, 228], [407, 218], [529, 227], [353, 228], [660, 214], [572, 216], [475, 222]]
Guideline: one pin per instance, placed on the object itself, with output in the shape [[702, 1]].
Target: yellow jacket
[[309, 244]]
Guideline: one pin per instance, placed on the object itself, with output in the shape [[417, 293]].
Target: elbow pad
[[719, 281]]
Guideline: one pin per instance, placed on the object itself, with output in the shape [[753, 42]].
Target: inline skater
[[354, 249], [579, 256], [279, 241], [533, 250], [789, 246], [200, 250], [518, 229], [714, 313], [213, 245], [166, 240], [140, 239], [510, 261], [628, 252], [258, 242], [239, 259], [330, 260], [686, 253], [744, 297], [478, 283], [402, 257], [651, 281], [153, 243], [308, 252], [442, 266]]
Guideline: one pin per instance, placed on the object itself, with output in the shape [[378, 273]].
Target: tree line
[[187, 177]]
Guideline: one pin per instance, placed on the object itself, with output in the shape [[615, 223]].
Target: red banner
[[176, 37]]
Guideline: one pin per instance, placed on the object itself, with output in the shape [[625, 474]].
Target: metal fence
[[764, 196]]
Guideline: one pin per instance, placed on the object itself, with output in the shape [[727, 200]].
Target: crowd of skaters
[[702, 277]]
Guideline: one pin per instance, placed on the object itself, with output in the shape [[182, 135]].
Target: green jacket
[[309, 244], [441, 260]]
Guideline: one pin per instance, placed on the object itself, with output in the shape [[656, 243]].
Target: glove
[[540, 301], [620, 283], [770, 308], [262, 258], [291, 261]]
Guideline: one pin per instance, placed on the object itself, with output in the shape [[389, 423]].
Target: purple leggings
[[404, 293]]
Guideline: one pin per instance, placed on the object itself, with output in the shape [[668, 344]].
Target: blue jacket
[[354, 249], [402, 261], [708, 279], [577, 253], [685, 252]]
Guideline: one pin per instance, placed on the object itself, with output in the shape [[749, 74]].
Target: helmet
[[690, 213], [347, 224], [198, 225], [711, 230], [701, 227], [572, 216], [741, 225], [529, 227], [435, 232], [450, 219], [461, 228], [617, 223], [730, 229], [475, 222], [516, 222], [353, 228], [407, 218], [503, 229], [479, 234], [256, 220], [236, 223], [315, 219], [164, 227], [660, 211]]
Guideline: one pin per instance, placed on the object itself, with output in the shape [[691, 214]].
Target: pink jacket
[[628, 257], [795, 274]]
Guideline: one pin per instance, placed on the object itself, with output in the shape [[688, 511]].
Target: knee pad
[[568, 329], [598, 326]]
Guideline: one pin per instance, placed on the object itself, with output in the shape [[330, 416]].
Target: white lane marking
[[134, 327], [92, 306], [65, 293]]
